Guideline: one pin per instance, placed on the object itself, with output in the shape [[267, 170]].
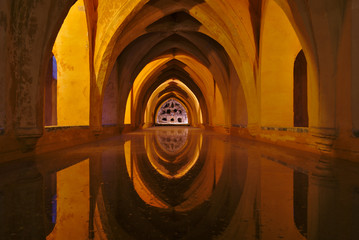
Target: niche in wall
[[300, 102]]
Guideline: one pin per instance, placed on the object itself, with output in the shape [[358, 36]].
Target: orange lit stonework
[[86, 79]]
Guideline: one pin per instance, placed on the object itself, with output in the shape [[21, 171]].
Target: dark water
[[179, 183]]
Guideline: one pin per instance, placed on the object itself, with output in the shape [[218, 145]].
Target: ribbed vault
[[177, 32], [225, 47]]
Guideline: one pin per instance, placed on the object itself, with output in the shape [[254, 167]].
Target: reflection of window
[[50, 199], [172, 141], [54, 208], [300, 200], [172, 112]]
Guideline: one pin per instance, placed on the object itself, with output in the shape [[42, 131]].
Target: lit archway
[[73, 70]]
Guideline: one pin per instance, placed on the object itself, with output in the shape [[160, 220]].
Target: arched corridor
[[179, 119]]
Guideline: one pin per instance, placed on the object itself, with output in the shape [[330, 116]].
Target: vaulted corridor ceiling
[[122, 117], [270, 70]]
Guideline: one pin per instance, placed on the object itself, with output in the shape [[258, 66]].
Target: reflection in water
[[300, 201], [173, 153], [172, 141], [72, 200], [50, 196], [201, 186], [177, 196]]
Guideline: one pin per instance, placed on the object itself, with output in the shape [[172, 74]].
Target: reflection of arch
[[171, 162], [182, 171], [125, 213], [171, 112]]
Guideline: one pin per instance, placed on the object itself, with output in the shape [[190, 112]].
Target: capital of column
[[28, 137]]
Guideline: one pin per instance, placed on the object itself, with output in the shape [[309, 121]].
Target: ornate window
[[172, 112]]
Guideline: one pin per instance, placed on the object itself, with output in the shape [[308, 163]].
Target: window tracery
[[172, 112]]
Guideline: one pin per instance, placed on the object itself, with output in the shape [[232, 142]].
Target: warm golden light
[[71, 50], [73, 206], [169, 119], [280, 46]]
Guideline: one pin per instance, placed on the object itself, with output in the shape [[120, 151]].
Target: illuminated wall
[[277, 180], [219, 117], [71, 50], [279, 48]]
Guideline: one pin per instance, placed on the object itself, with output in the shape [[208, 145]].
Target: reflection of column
[[277, 218], [322, 202], [95, 184], [300, 201], [355, 215], [72, 203], [21, 206], [2, 213], [245, 221]]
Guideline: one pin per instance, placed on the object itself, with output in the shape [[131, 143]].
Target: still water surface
[[178, 183]]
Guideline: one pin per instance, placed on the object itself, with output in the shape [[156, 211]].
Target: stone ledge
[[59, 128], [109, 125], [287, 129], [239, 126]]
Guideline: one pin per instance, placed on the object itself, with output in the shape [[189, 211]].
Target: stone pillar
[[21, 209], [30, 38], [354, 66], [326, 17]]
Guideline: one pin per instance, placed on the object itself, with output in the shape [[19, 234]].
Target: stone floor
[[179, 183]]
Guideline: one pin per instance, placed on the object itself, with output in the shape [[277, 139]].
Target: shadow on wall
[[51, 94]]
